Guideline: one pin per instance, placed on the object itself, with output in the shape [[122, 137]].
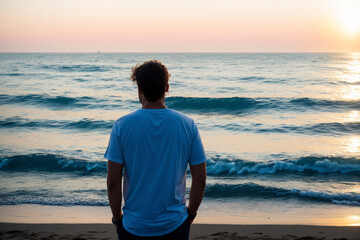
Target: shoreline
[[239, 213], [214, 222], [198, 231]]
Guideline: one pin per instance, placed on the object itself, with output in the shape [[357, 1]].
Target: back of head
[[152, 78]]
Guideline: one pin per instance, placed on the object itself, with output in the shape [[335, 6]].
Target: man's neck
[[158, 104]]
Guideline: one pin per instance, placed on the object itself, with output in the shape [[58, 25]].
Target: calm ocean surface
[[280, 128]]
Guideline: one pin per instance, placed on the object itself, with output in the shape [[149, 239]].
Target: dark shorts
[[181, 233]]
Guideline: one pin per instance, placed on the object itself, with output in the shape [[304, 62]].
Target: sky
[[179, 26]]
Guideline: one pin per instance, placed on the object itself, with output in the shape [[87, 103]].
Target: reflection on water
[[353, 70], [351, 74], [354, 220], [350, 92], [352, 144], [352, 116], [248, 146]]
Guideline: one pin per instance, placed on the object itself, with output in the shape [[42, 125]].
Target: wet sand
[[198, 231]]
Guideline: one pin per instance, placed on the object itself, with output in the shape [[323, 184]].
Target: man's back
[[155, 146]]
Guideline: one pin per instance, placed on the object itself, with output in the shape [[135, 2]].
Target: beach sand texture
[[198, 231]]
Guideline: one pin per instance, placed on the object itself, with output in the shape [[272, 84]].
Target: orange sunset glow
[[179, 26], [180, 119]]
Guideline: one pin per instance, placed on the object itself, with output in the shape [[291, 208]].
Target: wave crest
[[253, 190], [236, 105], [82, 124], [215, 166], [302, 165], [232, 105], [51, 163]]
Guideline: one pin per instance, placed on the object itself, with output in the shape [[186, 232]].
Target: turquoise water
[[277, 128]]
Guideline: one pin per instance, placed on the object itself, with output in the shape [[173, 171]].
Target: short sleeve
[[197, 149], [114, 150]]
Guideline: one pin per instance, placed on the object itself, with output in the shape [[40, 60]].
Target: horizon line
[[151, 52]]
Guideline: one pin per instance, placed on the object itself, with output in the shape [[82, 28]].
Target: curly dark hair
[[152, 78]]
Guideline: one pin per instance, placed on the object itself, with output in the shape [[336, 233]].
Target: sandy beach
[[198, 231]]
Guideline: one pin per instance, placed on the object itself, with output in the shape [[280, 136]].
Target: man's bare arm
[[114, 182], [198, 175]]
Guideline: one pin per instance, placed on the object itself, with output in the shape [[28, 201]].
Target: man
[[154, 145]]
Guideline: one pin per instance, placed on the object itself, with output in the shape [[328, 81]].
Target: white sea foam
[[216, 167]]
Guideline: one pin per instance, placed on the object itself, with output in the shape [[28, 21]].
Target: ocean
[[281, 130]]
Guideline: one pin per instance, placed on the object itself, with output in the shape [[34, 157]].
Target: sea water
[[281, 131]]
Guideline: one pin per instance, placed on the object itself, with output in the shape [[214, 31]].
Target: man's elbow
[[198, 174]]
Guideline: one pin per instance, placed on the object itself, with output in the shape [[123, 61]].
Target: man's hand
[[116, 222]]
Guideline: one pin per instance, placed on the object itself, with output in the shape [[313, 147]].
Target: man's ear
[[167, 88]]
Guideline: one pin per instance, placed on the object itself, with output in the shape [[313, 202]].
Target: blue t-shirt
[[155, 146]]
